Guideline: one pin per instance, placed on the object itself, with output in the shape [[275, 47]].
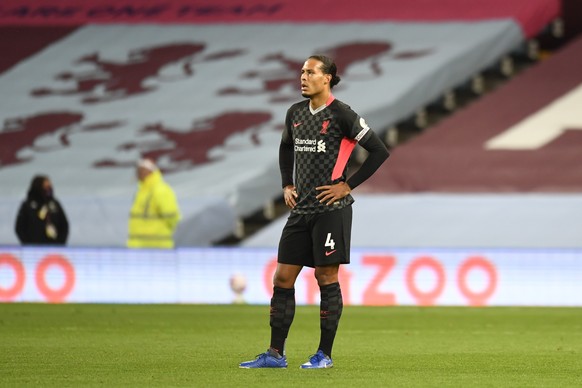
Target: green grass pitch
[[201, 346]]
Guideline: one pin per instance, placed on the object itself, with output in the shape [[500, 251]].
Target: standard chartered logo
[[309, 145]]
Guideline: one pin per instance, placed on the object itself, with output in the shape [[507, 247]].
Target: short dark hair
[[328, 67]]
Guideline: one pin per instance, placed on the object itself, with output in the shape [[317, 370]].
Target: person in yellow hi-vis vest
[[155, 213]]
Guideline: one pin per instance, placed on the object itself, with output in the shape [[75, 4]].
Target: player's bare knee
[[325, 276], [283, 280]]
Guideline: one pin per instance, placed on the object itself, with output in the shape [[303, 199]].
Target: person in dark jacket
[[41, 219]]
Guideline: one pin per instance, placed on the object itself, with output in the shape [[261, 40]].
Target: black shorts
[[315, 240]]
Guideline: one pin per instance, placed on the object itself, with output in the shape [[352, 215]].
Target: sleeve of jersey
[[377, 154], [286, 156]]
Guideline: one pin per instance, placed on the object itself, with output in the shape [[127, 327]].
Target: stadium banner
[[532, 15], [207, 103], [422, 277]]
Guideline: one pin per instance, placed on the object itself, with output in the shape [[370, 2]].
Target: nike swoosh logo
[[329, 253], [295, 125]]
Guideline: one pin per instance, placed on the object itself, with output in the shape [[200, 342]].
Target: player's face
[[313, 80]]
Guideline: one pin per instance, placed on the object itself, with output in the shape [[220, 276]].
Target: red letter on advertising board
[[7, 260], [425, 298], [372, 295], [477, 298], [55, 295]]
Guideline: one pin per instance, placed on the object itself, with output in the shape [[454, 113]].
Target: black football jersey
[[322, 144]]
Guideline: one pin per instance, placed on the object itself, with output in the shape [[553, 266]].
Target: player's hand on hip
[[329, 194], [290, 195]]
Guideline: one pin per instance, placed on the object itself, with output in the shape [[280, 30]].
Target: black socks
[[330, 312], [283, 312], [281, 317]]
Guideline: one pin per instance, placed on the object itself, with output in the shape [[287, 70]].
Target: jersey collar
[[327, 103]]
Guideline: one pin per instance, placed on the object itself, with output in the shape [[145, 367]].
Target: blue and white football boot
[[269, 359], [318, 361]]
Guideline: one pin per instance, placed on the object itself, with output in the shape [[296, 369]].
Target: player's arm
[[377, 154], [286, 162]]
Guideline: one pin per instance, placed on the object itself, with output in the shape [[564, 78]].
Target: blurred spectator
[[41, 219], [155, 213]]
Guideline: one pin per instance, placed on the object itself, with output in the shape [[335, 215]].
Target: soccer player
[[319, 136]]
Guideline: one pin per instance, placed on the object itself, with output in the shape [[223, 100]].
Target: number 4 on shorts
[[329, 242]]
